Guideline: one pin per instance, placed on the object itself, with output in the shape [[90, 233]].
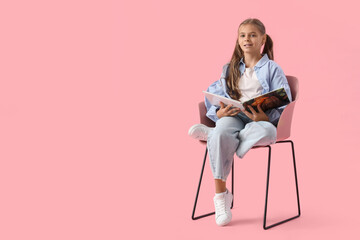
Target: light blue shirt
[[270, 76]]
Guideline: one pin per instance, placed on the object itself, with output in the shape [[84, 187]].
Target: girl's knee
[[225, 131], [224, 121], [222, 133], [225, 127]]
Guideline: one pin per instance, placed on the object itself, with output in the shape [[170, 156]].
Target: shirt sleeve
[[219, 89], [278, 80]]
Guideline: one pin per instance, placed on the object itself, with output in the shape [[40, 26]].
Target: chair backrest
[[284, 124], [294, 87]]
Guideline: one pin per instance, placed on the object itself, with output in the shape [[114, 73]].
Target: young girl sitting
[[249, 73]]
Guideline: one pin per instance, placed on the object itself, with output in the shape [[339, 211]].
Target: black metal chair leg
[[267, 188], [198, 190], [232, 184]]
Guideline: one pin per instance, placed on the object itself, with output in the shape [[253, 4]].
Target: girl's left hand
[[260, 116]]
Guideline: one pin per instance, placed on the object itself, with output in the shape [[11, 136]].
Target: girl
[[249, 74]]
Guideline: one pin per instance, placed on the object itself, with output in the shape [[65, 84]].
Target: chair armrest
[[203, 118]]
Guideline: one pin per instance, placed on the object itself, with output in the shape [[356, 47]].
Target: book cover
[[270, 100], [267, 101]]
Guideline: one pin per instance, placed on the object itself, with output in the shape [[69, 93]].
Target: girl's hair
[[234, 72]]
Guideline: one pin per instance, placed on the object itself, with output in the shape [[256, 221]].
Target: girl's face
[[250, 39]]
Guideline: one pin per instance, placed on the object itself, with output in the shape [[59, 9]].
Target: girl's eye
[[252, 35]]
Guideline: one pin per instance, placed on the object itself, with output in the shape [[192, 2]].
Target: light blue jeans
[[238, 135]]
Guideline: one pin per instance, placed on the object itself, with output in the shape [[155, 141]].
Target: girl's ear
[[264, 39]]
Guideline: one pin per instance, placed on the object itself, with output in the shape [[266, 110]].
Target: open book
[[270, 100]]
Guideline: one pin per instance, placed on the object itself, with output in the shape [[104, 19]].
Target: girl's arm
[[218, 87], [215, 88]]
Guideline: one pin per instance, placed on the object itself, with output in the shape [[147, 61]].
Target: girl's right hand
[[227, 111]]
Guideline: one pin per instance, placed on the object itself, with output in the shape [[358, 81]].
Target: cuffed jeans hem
[[220, 178]]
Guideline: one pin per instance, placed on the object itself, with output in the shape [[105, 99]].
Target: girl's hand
[[226, 111], [260, 116]]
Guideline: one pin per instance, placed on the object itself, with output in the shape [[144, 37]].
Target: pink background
[[96, 99]]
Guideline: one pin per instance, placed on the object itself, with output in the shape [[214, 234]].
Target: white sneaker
[[199, 131], [222, 208]]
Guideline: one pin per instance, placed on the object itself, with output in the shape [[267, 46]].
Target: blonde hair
[[234, 73]]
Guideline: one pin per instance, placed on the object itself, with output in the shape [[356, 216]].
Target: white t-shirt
[[249, 85]]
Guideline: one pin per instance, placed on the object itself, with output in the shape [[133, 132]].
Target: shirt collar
[[259, 64]]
